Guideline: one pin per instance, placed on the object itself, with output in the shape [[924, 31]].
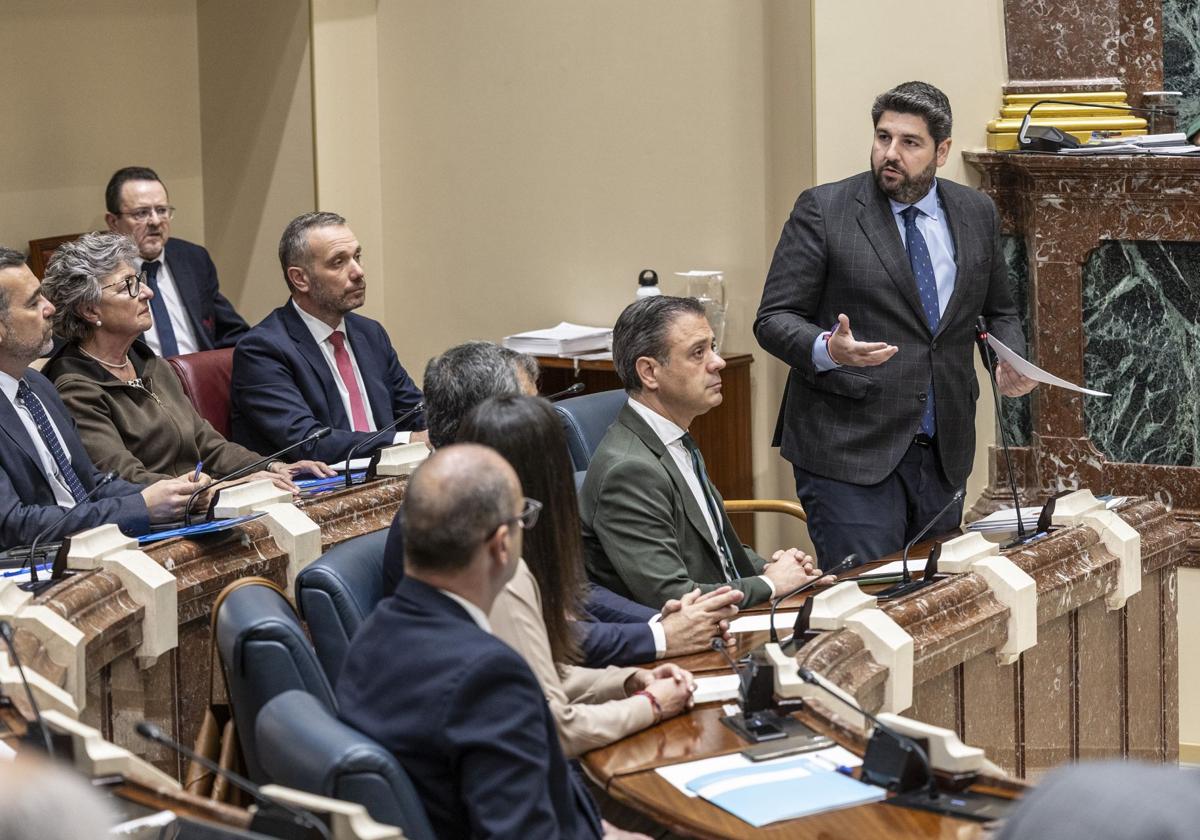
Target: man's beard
[[911, 188]]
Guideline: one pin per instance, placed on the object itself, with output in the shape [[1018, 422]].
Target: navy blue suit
[[27, 504], [616, 630], [283, 389], [214, 320], [466, 718]]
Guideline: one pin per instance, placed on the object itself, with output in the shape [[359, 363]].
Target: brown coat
[[145, 433]]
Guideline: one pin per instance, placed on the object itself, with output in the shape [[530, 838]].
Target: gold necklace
[[121, 366]]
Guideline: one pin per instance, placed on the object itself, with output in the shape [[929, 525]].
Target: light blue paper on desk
[[213, 526], [761, 795], [313, 486]]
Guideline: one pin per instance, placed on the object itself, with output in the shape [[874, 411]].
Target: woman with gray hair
[[132, 413]]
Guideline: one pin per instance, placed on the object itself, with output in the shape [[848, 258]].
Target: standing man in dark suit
[[313, 363], [45, 473], [872, 299], [654, 526], [190, 313], [427, 679]]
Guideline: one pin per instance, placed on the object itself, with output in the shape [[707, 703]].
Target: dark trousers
[[874, 520]]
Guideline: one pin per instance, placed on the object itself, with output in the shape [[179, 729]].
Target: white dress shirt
[[62, 493], [320, 333], [185, 336], [672, 437], [477, 615]]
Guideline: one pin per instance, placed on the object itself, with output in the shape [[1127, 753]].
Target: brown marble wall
[[1098, 683], [173, 692], [1064, 207], [1066, 45]]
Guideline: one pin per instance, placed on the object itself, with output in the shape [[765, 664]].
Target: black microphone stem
[[6, 631], [718, 644], [354, 450], [566, 392], [187, 510], [955, 499], [981, 336], [152, 733], [103, 480], [847, 563]]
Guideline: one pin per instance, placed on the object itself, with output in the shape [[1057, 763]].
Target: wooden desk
[[723, 433], [1071, 696]]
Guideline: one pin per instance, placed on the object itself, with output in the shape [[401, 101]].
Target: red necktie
[[358, 412]]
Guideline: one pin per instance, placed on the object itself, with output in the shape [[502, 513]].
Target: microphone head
[[6, 630], [717, 643], [321, 432], [958, 494], [148, 730], [848, 562], [806, 675], [106, 478]]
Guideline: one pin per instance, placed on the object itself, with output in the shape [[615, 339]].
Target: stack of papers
[[1150, 144], [1005, 520], [764, 792], [564, 340]]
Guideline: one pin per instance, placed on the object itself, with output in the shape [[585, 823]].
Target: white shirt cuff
[[402, 437], [660, 636], [770, 585]]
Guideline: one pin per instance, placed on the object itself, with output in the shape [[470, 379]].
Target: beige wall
[[536, 156], [957, 46], [89, 88], [257, 140]]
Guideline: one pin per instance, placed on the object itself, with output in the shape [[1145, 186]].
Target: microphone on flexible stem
[[187, 510], [907, 584], [578, 387], [354, 450], [758, 722], [848, 563], [889, 762], [34, 585], [298, 816], [981, 336], [6, 631]]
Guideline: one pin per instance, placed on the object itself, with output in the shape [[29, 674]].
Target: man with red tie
[[313, 363]]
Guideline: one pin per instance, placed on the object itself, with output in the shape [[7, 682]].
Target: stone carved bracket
[[892, 648], [834, 605], [243, 499]]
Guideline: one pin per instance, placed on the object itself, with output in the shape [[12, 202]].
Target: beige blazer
[[588, 704]]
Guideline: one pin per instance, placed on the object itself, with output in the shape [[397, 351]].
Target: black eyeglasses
[[133, 284], [143, 214], [528, 516]]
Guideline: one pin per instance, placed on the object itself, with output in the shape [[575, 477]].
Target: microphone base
[[966, 805], [37, 587], [767, 725], [903, 589]]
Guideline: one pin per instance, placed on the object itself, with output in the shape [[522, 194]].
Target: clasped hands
[[846, 350]]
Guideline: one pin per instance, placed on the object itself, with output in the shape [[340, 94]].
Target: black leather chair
[[336, 592], [304, 746], [264, 653], [586, 420]]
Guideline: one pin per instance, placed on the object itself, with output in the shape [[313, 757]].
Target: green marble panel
[[1141, 308], [1016, 421], [1181, 55]]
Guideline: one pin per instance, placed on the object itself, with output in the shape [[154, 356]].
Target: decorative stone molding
[[243, 499], [1070, 509], [891, 647], [48, 695], [401, 460], [1125, 543], [944, 749], [959, 553], [96, 757], [295, 534], [1016, 590], [834, 605], [347, 820]]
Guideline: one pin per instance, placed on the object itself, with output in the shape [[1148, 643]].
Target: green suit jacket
[[644, 535]]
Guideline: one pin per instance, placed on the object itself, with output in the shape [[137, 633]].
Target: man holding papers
[[872, 300]]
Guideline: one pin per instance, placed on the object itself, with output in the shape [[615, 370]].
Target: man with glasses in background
[[190, 313]]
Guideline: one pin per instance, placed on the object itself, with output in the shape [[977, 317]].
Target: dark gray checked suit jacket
[[839, 252]]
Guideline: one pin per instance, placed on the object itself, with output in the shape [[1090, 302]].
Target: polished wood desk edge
[[570, 363]]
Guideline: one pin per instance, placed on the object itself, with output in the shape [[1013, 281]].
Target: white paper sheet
[[678, 775], [915, 564], [762, 621], [356, 464], [1027, 368]]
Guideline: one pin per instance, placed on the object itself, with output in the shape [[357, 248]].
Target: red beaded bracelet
[[658, 712]]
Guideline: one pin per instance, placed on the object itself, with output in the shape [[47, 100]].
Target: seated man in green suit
[[654, 526]]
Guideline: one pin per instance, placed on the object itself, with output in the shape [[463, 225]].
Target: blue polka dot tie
[[922, 269], [46, 432]]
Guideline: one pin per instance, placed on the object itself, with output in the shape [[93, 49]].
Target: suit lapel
[[186, 289], [311, 354], [15, 429], [630, 419], [959, 225], [878, 225]]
